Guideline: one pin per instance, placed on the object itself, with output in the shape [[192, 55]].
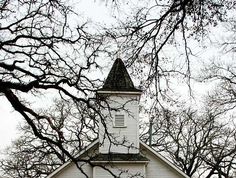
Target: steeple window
[[119, 120]]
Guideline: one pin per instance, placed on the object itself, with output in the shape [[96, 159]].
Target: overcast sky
[[94, 10]]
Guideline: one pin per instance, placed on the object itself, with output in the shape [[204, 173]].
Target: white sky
[[8, 123], [97, 11]]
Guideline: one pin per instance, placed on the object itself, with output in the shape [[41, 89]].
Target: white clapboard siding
[[121, 171], [160, 168], [157, 167], [71, 171], [129, 132]]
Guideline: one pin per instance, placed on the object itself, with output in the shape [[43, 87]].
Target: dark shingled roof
[[119, 157], [118, 79]]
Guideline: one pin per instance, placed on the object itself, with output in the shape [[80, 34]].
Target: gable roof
[[158, 155], [118, 79], [142, 158], [63, 166]]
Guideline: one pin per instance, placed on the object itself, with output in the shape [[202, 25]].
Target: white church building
[[118, 152]]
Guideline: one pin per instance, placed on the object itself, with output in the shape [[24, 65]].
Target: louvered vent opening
[[119, 120]]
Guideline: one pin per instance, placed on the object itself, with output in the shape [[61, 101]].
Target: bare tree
[[221, 98], [197, 143], [34, 62], [34, 35], [29, 156], [153, 30]]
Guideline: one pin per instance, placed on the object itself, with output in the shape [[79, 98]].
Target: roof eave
[[107, 162]]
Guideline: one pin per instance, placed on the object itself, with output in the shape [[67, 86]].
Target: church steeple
[[118, 78], [118, 130]]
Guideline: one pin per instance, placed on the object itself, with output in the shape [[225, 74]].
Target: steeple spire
[[118, 78]]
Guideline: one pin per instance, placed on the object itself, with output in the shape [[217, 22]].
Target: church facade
[[118, 152]]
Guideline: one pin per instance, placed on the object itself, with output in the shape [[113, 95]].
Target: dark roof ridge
[[119, 157]]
